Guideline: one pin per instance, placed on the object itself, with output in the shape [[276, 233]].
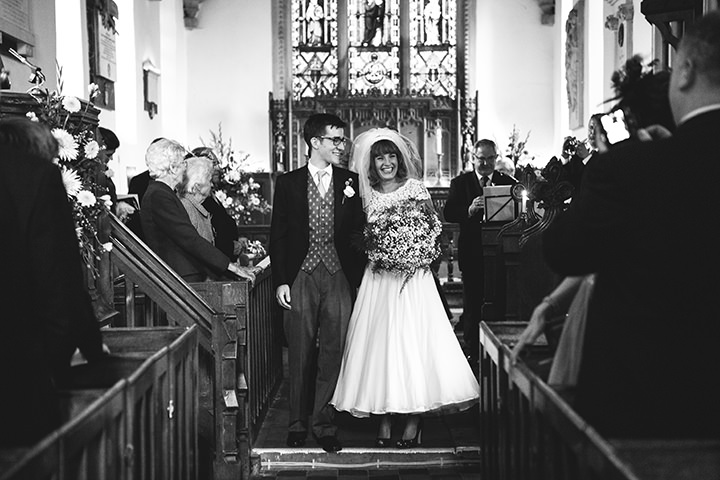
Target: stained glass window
[[379, 53], [373, 47], [314, 44], [433, 47]]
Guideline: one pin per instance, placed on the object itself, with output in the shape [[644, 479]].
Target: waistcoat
[[322, 226]]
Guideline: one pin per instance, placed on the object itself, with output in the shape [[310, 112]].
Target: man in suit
[[317, 267], [465, 206], [46, 310], [649, 362]]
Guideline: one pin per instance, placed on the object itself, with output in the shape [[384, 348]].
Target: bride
[[401, 354]]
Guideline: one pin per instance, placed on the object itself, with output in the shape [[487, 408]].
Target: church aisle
[[450, 448]]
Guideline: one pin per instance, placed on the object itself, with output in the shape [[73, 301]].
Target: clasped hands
[[248, 273]]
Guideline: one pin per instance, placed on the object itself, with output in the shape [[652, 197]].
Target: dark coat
[[169, 233], [226, 230], [138, 185], [46, 311], [463, 190], [650, 364], [290, 226]]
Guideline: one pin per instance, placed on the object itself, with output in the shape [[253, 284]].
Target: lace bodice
[[413, 189]]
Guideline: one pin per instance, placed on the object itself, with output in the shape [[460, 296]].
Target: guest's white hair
[[199, 171], [163, 157]]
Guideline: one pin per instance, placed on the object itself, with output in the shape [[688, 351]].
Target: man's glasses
[[486, 159], [336, 141]]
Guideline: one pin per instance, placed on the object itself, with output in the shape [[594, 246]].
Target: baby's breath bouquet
[[403, 239], [79, 160]]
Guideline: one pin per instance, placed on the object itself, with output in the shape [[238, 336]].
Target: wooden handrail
[[240, 362], [149, 271]]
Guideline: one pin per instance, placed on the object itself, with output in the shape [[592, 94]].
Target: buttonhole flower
[[348, 191]]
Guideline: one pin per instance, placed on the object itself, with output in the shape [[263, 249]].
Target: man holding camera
[[649, 366]]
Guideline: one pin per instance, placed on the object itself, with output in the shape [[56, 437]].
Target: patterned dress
[[401, 353]]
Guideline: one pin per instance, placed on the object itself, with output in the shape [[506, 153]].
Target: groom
[[317, 219]]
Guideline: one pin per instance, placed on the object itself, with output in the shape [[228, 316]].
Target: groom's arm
[[279, 233]]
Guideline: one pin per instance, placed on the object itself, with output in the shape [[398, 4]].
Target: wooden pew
[[132, 416], [530, 430]]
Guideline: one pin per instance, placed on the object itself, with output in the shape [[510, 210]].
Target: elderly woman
[[193, 192], [226, 230], [166, 224]]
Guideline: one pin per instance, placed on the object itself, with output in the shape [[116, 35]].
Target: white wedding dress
[[401, 354]]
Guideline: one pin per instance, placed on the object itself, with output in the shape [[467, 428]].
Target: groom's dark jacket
[[290, 226]]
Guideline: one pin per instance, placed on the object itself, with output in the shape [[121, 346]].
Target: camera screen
[[615, 127]]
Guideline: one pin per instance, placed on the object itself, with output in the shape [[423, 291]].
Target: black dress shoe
[[383, 442], [329, 444], [296, 439]]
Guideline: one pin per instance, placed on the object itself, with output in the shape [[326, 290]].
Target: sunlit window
[[375, 52]]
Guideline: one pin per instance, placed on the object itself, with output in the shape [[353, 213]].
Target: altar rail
[[240, 361], [530, 431], [132, 416]]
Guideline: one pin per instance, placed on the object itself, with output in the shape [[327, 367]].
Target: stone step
[[265, 460]]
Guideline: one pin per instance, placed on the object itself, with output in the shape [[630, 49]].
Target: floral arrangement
[[404, 239], [79, 160], [516, 148], [237, 190], [249, 251]]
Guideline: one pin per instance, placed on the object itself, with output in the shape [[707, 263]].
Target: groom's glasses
[[336, 141]]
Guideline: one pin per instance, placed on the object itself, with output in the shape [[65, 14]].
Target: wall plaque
[[106, 66], [15, 20]]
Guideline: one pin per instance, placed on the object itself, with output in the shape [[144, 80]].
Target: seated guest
[[46, 310], [166, 224], [649, 362], [226, 230], [194, 190]]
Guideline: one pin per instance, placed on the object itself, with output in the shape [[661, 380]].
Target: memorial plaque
[[16, 19]]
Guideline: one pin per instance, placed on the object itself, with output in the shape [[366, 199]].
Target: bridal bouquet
[[403, 239]]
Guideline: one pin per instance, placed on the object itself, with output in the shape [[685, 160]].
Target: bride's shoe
[[412, 442]]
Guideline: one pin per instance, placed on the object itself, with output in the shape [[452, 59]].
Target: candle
[[438, 140], [523, 204]]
